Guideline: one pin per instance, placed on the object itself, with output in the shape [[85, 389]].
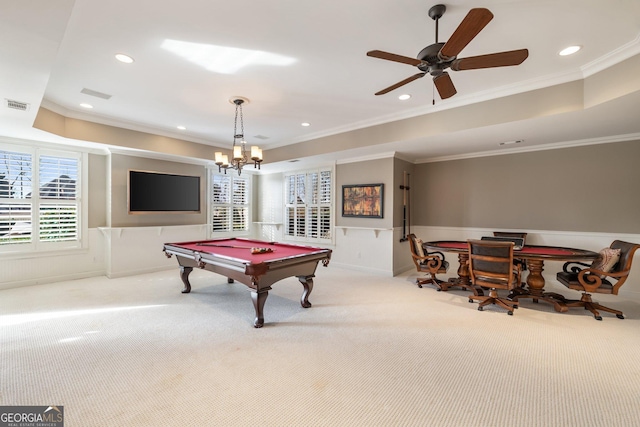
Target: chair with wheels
[[428, 262], [605, 275], [491, 265]]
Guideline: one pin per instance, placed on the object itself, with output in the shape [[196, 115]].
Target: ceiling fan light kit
[[436, 58]]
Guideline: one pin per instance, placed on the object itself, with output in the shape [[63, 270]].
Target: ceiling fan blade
[[500, 59], [445, 86], [402, 83], [470, 26], [393, 57]]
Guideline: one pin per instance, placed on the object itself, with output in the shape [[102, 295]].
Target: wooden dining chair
[[605, 275], [491, 265], [431, 263]]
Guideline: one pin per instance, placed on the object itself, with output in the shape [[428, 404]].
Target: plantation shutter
[[39, 198], [15, 190], [240, 205], [230, 203], [58, 209], [308, 208]]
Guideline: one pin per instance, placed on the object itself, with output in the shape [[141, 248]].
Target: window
[[308, 206], [229, 203], [39, 199]]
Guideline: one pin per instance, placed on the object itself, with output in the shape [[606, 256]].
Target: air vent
[[17, 105], [95, 93], [261, 137]]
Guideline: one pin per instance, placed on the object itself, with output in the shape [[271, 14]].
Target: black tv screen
[[163, 192]]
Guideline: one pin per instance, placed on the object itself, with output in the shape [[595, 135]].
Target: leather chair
[[598, 278], [511, 234], [491, 265], [520, 234], [428, 262]]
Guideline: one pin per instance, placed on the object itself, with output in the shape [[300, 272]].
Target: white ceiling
[[51, 50]]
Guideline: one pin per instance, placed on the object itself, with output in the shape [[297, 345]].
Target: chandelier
[[240, 154]]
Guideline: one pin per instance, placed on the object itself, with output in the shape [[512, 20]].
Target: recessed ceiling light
[[404, 97], [569, 50], [181, 127], [124, 58], [85, 105], [305, 124]]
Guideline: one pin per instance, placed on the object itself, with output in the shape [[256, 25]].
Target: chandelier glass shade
[[240, 155]]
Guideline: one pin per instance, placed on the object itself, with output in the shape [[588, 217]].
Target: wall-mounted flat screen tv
[[163, 192]]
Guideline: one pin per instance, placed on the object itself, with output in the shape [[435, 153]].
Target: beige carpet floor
[[372, 351]]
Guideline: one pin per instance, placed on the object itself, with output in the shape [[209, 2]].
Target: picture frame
[[363, 200]]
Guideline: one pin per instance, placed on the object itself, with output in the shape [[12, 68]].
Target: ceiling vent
[[17, 105], [260, 137], [95, 93]]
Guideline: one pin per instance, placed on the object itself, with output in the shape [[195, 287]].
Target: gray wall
[[378, 171], [593, 188], [97, 190], [400, 167], [121, 164]]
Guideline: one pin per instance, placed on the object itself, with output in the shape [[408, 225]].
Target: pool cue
[[405, 190], [408, 203]]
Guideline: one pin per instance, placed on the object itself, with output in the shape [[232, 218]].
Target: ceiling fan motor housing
[[430, 53], [432, 62]]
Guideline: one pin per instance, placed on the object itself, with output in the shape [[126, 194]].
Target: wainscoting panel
[[364, 249], [137, 250], [34, 269]]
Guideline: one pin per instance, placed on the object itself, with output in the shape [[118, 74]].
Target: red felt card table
[[234, 259], [534, 256]]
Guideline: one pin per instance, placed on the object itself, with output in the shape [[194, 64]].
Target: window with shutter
[[309, 206], [229, 203], [40, 204]]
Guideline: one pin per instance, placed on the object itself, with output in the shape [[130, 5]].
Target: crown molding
[[541, 147]]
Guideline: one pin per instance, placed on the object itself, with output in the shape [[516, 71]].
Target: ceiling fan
[[436, 58]]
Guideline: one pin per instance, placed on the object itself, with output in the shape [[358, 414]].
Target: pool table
[[235, 259]]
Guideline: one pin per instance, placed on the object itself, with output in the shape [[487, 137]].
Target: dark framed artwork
[[362, 201]]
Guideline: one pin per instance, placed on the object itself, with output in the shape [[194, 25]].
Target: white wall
[[137, 250], [364, 249], [37, 268]]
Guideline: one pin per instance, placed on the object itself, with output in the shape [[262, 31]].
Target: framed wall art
[[362, 200]]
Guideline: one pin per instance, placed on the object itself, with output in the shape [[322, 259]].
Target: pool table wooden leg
[[307, 283], [184, 275], [259, 298]]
